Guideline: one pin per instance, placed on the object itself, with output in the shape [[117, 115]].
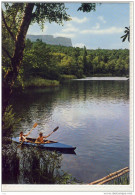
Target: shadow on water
[[28, 165]]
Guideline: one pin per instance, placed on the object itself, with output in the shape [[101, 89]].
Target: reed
[[40, 82], [124, 180]]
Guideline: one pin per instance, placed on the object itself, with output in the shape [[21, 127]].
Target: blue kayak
[[51, 145]]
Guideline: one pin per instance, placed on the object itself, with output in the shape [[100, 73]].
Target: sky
[[100, 29]]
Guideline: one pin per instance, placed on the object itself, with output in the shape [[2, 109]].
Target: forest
[[59, 62]]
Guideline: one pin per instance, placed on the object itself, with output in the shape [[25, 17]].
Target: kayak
[[49, 145]]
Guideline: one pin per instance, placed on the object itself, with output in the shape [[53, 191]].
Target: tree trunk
[[9, 79]]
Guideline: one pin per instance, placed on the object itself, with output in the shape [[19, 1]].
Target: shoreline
[[44, 83]]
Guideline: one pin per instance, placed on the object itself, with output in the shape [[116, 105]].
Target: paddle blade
[[35, 125], [55, 129]]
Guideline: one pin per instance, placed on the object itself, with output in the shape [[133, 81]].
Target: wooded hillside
[[52, 62]]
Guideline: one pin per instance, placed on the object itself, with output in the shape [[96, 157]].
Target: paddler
[[22, 137], [40, 138]]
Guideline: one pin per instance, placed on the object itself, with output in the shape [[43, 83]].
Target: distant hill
[[49, 39]]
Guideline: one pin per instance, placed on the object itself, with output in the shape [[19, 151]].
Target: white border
[[69, 188]]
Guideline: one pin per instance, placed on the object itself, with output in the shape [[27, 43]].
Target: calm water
[[92, 115]]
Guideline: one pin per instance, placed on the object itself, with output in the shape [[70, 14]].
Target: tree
[[16, 18], [85, 69], [89, 59], [32, 64]]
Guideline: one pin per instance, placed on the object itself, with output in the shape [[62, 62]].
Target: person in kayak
[[40, 138], [22, 137]]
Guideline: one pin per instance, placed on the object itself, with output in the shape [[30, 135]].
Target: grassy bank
[[40, 82]]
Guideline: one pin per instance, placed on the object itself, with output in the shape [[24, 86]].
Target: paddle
[[29, 132], [53, 131]]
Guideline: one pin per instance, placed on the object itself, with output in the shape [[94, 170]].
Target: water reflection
[[35, 104], [28, 165], [77, 90]]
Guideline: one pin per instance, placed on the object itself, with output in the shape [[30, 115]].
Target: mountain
[[49, 39]]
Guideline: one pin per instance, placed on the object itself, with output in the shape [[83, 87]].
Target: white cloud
[[78, 20], [101, 18], [111, 30], [68, 25], [69, 28]]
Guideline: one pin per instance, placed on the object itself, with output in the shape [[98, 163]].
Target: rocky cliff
[[49, 39]]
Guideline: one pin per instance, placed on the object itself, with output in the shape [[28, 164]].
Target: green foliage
[[9, 121], [87, 7], [51, 12], [40, 82], [38, 61], [110, 62]]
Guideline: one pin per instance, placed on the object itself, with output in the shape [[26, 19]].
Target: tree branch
[[8, 29], [20, 39]]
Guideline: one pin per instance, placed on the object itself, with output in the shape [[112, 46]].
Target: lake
[[92, 115]]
